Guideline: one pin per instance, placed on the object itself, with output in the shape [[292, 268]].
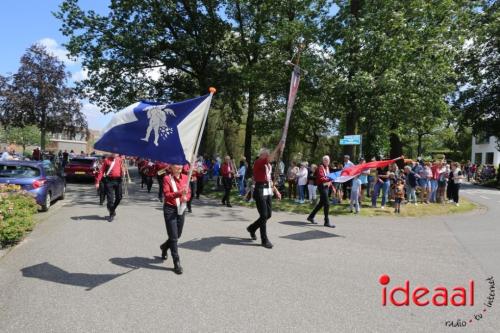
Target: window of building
[[478, 158], [489, 158]]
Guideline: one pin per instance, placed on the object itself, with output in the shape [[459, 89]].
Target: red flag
[[357, 169]]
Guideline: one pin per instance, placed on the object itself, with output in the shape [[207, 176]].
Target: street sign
[[353, 140]]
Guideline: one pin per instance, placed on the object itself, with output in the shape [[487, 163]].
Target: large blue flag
[[160, 132]]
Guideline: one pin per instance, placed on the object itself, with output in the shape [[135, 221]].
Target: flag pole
[[212, 91]]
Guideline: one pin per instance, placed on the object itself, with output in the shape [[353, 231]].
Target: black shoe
[[267, 245], [252, 234], [223, 202], [110, 218], [164, 255], [177, 267], [229, 205], [310, 219], [329, 225], [189, 210], [101, 203]]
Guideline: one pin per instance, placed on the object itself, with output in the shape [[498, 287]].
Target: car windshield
[[82, 161], [18, 171]]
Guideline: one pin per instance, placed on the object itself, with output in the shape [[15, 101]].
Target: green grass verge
[[16, 217], [409, 210]]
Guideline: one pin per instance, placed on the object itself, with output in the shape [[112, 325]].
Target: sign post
[[353, 140]]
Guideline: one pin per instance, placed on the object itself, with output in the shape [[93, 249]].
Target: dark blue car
[[41, 179]]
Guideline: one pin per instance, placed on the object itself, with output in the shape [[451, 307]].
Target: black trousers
[[323, 202], [228, 183], [160, 185], [264, 207], [455, 188], [149, 183], [102, 192], [199, 187], [114, 193], [192, 186], [143, 179], [174, 224]]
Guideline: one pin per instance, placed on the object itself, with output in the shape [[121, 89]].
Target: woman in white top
[[455, 179], [302, 182]]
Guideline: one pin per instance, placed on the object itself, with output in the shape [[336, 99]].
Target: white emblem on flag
[[157, 115]]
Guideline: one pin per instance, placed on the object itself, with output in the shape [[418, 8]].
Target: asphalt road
[[77, 272]]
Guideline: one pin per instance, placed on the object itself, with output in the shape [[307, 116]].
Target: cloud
[[82, 74], [57, 50], [95, 119]]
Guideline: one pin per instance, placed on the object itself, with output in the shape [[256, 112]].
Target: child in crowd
[[399, 194], [355, 194]]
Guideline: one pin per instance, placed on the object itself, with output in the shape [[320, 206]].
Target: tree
[[393, 64], [37, 95], [23, 136], [478, 102]]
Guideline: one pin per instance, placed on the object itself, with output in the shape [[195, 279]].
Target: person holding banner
[[111, 173], [176, 193], [161, 170], [324, 183], [263, 193]]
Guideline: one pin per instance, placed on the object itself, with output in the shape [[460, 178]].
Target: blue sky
[[25, 22]]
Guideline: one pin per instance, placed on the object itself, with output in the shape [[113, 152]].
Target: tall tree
[[479, 93], [23, 136], [38, 95]]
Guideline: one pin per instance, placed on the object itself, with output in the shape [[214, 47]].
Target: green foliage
[[383, 69], [16, 217], [478, 104], [23, 136], [37, 95]]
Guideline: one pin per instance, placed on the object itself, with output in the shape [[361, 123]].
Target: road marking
[[482, 196]]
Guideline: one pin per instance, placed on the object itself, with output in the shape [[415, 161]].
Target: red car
[[81, 168]]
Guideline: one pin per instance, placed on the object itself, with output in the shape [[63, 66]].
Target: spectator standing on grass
[[442, 182], [436, 166], [291, 178], [355, 194], [455, 179], [411, 184], [399, 194], [363, 177], [302, 182], [311, 183], [241, 176], [217, 172], [347, 185], [382, 183]]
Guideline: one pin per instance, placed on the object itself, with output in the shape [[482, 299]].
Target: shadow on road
[[139, 262], [209, 243], [310, 235], [297, 223], [49, 272], [89, 218]]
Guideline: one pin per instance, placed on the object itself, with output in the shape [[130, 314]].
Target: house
[[485, 150]]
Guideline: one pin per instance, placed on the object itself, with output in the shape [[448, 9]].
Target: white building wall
[[489, 146]]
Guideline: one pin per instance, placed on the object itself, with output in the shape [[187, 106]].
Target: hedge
[[17, 209]]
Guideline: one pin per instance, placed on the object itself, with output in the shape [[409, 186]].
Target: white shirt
[[302, 176], [5, 156]]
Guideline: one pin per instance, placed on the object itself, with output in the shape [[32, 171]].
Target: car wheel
[[48, 200]]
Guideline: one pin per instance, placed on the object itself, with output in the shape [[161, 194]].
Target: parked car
[[81, 168], [41, 179]]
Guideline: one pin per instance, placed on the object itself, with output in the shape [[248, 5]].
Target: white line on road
[[482, 196]]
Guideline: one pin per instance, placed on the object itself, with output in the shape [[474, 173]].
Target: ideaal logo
[[438, 296]]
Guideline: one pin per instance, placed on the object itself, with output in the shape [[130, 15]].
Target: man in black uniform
[[112, 172]]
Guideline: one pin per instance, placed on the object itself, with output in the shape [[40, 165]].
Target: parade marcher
[[111, 171], [149, 172], [263, 193], [228, 171], [193, 182], [324, 183], [161, 169], [201, 170], [176, 193], [65, 158], [101, 191], [141, 164]]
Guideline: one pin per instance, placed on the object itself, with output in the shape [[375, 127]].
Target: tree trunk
[[396, 146], [252, 104], [43, 131], [419, 146]]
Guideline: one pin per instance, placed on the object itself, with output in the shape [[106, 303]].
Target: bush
[[16, 216]]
